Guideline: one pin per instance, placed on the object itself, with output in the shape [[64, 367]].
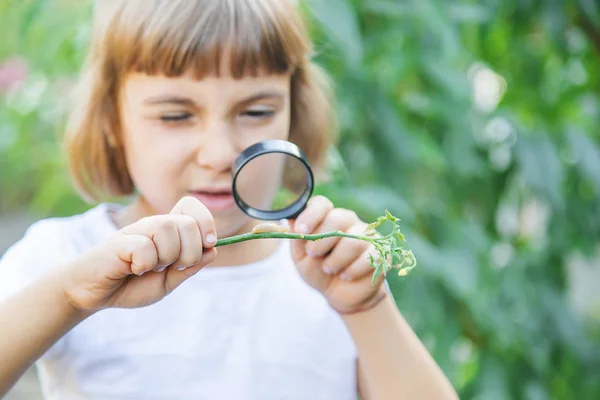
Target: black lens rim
[[268, 147]]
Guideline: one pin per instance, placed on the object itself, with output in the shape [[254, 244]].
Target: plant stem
[[285, 235]]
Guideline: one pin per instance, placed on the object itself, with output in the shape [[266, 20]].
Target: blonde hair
[[173, 37]]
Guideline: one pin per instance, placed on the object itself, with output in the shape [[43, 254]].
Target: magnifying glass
[[272, 180]]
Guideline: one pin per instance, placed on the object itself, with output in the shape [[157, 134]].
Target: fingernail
[[161, 269], [211, 238], [345, 277], [181, 268], [301, 228], [328, 270]]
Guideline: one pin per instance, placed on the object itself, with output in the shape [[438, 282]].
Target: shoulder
[[44, 244], [51, 234]]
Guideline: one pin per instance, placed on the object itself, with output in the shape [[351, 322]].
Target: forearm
[[32, 321], [396, 365]]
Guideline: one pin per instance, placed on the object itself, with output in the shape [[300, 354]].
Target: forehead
[[212, 88], [237, 38]]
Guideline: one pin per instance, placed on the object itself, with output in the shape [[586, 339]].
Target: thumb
[[206, 223]]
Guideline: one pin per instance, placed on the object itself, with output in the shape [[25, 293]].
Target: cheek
[[156, 162]]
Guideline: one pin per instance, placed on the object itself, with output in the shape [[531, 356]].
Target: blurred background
[[475, 122]]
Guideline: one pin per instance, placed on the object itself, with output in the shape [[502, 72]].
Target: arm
[[28, 329], [135, 267], [393, 363]]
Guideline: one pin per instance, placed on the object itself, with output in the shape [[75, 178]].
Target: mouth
[[215, 198]]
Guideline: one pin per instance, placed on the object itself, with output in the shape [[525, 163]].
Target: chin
[[234, 223]]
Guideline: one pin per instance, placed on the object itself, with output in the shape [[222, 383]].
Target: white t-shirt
[[246, 332]]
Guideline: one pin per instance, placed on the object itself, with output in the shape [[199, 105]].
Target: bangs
[[173, 37]]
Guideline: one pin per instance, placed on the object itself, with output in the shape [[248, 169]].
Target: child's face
[[181, 136]]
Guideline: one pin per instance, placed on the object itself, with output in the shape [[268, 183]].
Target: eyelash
[[259, 114], [182, 117], [174, 118]]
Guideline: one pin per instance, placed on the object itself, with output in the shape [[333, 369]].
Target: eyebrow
[[186, 101], [169, 99], [263, 95]]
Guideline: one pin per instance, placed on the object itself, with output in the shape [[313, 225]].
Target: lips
[[215, 199]]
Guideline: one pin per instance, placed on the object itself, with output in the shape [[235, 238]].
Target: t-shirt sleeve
[[36, 252]]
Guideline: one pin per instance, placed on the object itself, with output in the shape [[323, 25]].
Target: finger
[[208, 257], [162, 229], [361, 267], [191, 242], [316, 210], [177, 277], [138, 251], [345, 252], [193, 207], [337, 219]]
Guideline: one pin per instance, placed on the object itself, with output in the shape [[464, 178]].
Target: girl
[[112, 303]]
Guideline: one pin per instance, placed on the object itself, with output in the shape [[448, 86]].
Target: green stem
[[286, 235]]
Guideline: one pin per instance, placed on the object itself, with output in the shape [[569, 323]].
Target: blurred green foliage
[[473, 121]]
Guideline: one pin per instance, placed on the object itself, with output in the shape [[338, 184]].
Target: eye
[[258, 113], [176, 117]]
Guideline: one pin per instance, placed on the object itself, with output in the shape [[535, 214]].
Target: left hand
[[337, 267]]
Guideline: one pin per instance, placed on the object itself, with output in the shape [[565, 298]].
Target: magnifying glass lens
[[272, 182]]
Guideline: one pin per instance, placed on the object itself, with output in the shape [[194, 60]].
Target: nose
[[218, 151]]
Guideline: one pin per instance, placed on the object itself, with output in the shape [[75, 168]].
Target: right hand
[[145, 261]]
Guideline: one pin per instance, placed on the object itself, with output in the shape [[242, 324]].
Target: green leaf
[[390, 217], [393, 244], [541, 167], [591, 10], [372, 226], [587, 156], [399, 236], [340, 22], [396, 259], [377, 273]]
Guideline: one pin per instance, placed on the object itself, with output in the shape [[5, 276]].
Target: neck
[[231, 255]]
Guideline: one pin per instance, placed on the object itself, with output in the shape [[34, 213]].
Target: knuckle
[[322, 247], [314, 249], [144, 252], [357, 228], [191, 258], [351, 215], [169, 252], [142, 244], [327, 203], [164, 225], [322, 201], [310, 248], [342, 214], [188, 224]]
